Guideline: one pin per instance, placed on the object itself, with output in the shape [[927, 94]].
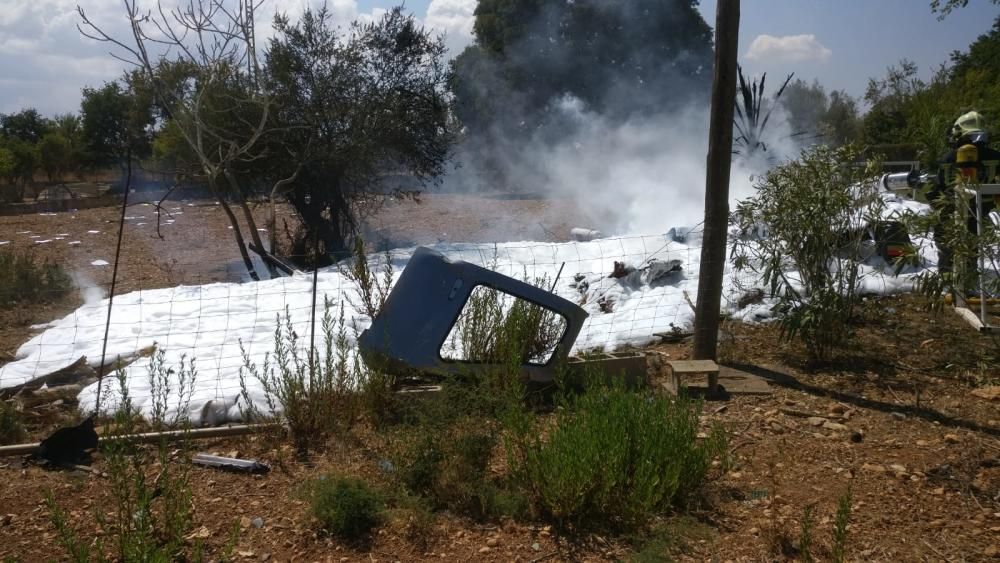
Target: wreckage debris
[[69, 446], [425, 304], [657, 270], [230, 463], [621, 270], [584, 235]]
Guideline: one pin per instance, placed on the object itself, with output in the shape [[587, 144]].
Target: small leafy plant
[[805, 232], [345, 507], [840, 522], [151, 509], [11, 424], [24, 280], [315, 393]]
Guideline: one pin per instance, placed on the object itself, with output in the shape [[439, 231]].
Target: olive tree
[[353, 109]]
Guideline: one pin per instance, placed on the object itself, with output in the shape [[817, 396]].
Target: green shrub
[[611, 456], [22, 280], [840, 522], [315, 398], [497, 328], [373, 285], [345, 507], [806, 535], [818, 212], [448, 466], [11, 425], [151, 511]]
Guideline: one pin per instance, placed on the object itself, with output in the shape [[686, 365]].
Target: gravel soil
[[902, 419]]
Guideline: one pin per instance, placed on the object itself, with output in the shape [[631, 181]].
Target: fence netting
[[184, 295]]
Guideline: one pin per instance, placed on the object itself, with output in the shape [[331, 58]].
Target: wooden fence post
[[720, 147]]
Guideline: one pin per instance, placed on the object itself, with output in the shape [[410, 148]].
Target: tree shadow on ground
[[775, 376]]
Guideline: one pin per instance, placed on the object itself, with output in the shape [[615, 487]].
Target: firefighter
[[971, 161]]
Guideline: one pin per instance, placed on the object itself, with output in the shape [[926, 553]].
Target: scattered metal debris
[[230, 463], [680, 234], [584, 235], [621, 270]]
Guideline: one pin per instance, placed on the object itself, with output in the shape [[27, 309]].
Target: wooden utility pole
[[720, 150]]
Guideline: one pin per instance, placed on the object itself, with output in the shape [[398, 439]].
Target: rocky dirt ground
[[907, 419]]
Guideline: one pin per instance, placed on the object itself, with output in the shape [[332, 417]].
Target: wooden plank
[[693, 366]]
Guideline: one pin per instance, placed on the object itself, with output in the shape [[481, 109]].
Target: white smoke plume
[[89, 290], [637, 176]]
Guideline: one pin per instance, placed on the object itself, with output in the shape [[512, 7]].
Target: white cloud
[[45, 62], [453, 18], [787, 49]]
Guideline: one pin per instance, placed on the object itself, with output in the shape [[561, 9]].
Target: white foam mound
[[209, 322]]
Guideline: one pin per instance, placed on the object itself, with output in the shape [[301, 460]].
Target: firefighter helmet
[[969, 128]]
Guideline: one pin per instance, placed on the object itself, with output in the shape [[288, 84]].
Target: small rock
[[233, 453], [790, 403], [873, 467], [244, 522], [952, 438], [857, 437], [898, 468], [246, 553], [898, 415], [923, 443], [484, 549], [536, 546], [838, 408], [754, 531], [257, 522], [990, 393], [816, 420], [344, 559], [265, 556], [836, 426], [492, 542], [202, 533], [937, 524]]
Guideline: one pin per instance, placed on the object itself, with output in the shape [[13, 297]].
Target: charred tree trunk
[[326, 214], [220, 195], [251, 223]]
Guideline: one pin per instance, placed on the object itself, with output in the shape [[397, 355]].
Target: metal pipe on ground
[[151, 437]]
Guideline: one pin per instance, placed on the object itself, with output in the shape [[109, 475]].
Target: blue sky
[[44, 62], [863, 37]]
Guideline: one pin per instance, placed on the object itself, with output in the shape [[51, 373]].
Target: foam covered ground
[[209, 322]]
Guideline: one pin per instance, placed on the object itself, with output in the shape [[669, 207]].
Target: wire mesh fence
[[182, 289]]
